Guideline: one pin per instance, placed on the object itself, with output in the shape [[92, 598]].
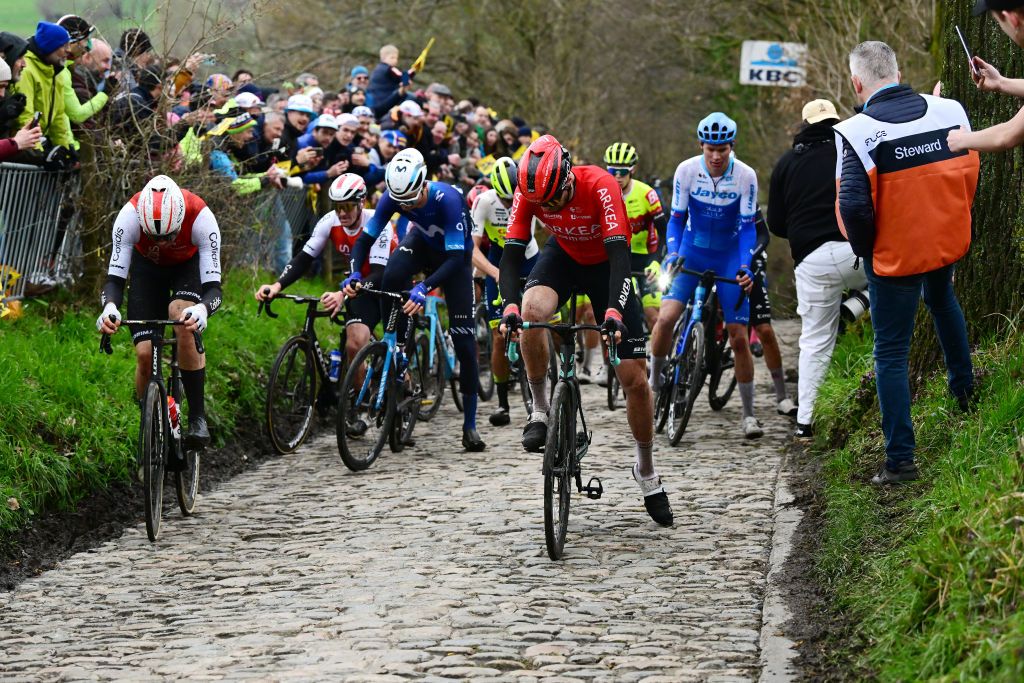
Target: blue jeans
[[894, 302]]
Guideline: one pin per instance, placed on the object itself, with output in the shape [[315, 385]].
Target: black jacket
[[802, 192], [898, 104]]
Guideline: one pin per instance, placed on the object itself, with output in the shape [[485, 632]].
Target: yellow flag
[[417, 66], [485, 164]]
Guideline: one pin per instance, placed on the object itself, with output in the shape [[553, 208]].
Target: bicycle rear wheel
[[362, 427], [559, 460], [291, 393], [688, 385], [484, 344], [153, 436]]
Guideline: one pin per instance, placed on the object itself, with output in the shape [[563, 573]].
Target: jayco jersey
[[444, 221], [718, 212]]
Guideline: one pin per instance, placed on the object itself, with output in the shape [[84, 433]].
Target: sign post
[[764, 62]]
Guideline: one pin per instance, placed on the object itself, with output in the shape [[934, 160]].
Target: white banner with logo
[[764, 62]]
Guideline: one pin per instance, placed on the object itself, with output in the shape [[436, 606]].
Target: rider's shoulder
[[691, 165], [742, 170]]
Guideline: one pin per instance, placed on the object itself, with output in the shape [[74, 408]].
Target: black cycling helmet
[[78, 28]]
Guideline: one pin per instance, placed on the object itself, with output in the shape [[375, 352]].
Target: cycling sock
[[747, 397], [645, 460], [779, 380], [657, 365], [539, 391], [469, 411], [193, 381], [502, 388]]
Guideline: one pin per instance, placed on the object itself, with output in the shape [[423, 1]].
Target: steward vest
[[922, 192]]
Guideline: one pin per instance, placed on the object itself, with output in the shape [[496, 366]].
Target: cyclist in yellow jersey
[[490, 213], [647, 224]]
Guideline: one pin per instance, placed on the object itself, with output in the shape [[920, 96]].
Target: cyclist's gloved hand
[[669, 260], [194, 318], [510, 320], [613, 329], [418, 295], [745, 278], [352, 283], [104, 324], [653, 271]]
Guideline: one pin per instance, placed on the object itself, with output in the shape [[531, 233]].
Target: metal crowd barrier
[[39, 229]]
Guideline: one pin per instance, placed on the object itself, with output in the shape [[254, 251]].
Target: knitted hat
[[359, 71], [5, 72], [240, 124], [50, 37], [395, 138]]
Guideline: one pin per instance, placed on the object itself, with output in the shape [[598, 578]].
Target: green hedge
[[932, 572], [68, 418]]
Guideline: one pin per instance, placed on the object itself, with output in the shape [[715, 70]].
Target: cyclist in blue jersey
[[714, 201], [439, 242]]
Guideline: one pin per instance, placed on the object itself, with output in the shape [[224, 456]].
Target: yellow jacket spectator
[[43, 93]]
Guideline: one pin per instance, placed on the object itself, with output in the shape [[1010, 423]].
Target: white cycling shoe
[[752, 428], [786, 407], [601, 376]]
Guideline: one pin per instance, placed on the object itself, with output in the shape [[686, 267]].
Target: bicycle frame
[[434, 324], [309, 326], [391, 340]]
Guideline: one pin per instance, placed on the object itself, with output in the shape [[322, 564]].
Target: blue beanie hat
[[50, 37], [359, 71]]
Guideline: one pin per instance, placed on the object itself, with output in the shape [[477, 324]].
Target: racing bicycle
[[161, 446], [565, 446], [299, 379]]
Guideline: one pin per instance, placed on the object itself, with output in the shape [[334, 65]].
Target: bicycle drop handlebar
[[512, 348], [710, 276], [264, 306], [106, 348]]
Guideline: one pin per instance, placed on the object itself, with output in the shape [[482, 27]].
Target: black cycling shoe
[[198, 436], [655, 498], [535, 433], [471, 441], [499, 418], [357, 428]]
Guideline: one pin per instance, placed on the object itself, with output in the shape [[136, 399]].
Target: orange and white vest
[[922, 192]]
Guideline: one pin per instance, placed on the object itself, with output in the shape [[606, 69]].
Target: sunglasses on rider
[[556, 202], [345, 207], [620, 171]]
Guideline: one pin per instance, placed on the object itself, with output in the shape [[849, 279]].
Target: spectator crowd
[[65, 84]]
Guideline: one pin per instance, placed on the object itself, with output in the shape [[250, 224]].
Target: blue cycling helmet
[[716, 129]]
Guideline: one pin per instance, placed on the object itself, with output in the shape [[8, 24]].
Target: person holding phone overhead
[[1009, 14]]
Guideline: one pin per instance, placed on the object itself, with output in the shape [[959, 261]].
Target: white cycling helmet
[[348, 187], [406, 175], [161, 208]]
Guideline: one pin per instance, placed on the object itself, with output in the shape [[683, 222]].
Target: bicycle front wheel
[[186, 481], [687, 387], [721, 372], [484, 345], [433, 379], [363, 422], [291, 393], [153, 436], [559, 461]]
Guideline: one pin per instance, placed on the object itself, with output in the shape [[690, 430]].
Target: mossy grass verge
[[932, 571], [68, 417]]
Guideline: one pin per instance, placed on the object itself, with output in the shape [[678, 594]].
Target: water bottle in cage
[[175, 418], [335, 367]]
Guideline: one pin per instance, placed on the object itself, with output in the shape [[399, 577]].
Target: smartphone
[[35, 120], [970, 56], [319, 151]]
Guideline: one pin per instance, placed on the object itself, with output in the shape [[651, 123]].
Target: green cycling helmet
[[503, 177], [620, 154]]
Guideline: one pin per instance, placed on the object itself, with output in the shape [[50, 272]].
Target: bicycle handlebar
[[512, 348], [106, 348], [264, 306], [677, 268]]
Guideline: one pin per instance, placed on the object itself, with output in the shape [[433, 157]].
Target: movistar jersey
[[443, 221], [490, 217], [713, 214], [642, 208]]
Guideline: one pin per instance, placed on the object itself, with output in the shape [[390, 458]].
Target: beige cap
[[819, 110]]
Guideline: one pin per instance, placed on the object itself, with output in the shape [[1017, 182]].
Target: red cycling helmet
[[544, 170]]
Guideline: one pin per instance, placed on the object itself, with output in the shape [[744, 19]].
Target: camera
[[855, 305]]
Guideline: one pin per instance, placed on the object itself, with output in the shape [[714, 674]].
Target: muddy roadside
[[103, 515]]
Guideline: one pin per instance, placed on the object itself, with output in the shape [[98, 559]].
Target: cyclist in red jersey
[[583, 209], [168, 241]]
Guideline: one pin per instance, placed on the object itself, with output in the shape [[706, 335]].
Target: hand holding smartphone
[[970, 55], [35, 120]]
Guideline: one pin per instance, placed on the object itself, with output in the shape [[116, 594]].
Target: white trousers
[[820, 281]]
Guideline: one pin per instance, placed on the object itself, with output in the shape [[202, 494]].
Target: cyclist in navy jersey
[[440, 242]]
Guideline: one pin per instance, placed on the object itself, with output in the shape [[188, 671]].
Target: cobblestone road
[[429, 566]]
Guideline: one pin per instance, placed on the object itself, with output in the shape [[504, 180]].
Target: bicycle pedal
[[593, 492]]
